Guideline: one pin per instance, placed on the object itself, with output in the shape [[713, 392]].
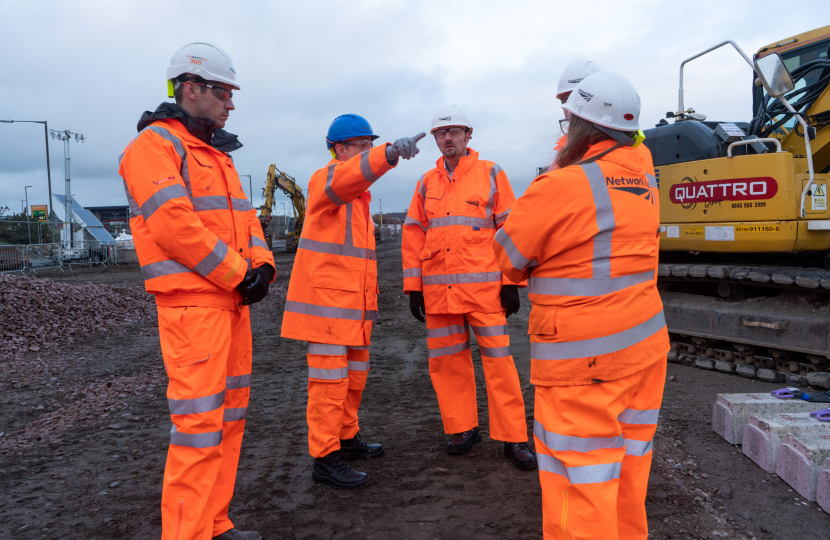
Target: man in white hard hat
[[451, 276], [204, 257], [573, 75]]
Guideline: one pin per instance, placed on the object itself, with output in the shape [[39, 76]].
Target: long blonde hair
[[582, 135]]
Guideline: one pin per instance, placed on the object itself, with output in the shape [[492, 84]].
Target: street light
[[46, 138], [65, 136], [250, 186], [28, 225]]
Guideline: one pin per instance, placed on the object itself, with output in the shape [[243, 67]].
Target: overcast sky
[[94, 66]]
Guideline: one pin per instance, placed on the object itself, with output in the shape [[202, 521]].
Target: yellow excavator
[[745, 225], [278, 179]]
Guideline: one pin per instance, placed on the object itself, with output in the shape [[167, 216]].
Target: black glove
[[510, 299], [255, 285], [416, 305]]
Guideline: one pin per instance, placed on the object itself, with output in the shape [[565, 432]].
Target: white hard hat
[[450, 115], [606, 99], [573, 75], [204, 60]]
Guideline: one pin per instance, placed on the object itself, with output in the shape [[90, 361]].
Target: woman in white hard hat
[[573, 75], [598, 335]]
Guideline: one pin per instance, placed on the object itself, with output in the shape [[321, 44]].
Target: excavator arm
[[278, 179]]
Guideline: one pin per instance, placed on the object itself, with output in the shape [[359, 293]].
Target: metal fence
[[43, 256], [35, 257], [13, 259]]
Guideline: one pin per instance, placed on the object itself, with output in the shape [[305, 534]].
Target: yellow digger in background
[[278, 179]]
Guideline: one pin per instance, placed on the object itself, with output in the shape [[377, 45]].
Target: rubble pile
[[43, 313]]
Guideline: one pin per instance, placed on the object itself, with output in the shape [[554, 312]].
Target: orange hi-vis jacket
[[448, 233], [195, 231], [332, 296], [588, 238]]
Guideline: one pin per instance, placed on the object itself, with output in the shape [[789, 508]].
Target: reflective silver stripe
[[638, 448], [637, 417], [232, 415], [248, 262], [413, 221], [371, 315], [445, 331], [325, 349], [195, 440], [466, 221], [324, 311], [605, 221], [163, 268], [213, 259], [652, 180], [422, 191], [585, 286], [452, 349], [598, 346], [411, 272], [336, 249], [366, 168], [586, 474], [358, 347], [196, 405], [256, 241], [569, 443], [135, 210], [328, 374], [518, 260], [210, 202], [490, 331], [173, 191], [329, 190], [494, 171], [472, 277], [177, 144], [503, 216], [355, 365], [242, 205], [494, 352], [237, 382]]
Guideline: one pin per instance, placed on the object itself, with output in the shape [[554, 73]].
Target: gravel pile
[[43, 313]]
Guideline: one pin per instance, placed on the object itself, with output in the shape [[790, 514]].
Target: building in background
[[114, 218]]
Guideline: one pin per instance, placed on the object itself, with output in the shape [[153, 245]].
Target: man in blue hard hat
[[332, 296]]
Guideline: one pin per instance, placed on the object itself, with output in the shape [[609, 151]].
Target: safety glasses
[[563, 126], [359, 144], [222, 94], [452, 132]]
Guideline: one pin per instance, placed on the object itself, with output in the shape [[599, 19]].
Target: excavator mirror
[[774, 75]]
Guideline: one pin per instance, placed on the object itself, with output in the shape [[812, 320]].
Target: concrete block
[[731, 412], [746, 370], [764, 434], [794, 379], [819, 379], [705, 363], [687, 359], [823, 488], [800, 459], [769, 375], [725, 367]]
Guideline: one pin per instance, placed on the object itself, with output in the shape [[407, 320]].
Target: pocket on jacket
[[342, 280], [435, 194], [542, 321], [427, 253], [225, 234]]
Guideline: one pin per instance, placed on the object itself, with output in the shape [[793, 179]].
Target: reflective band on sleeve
[[452, 279], [358, 366], [518, 260], [196, 405], [366, 168], [248, 262], [328, 312], [135, 210], [328, 374], [336, 249], [210, 202], [494, 352], [232, 415], [370, 315], [605, 220], [177, 144], [636, 417], [413, 221], [638, 448], [163, 268], [452, 349], [598, 346], [242, 205], [160, 197], [411, 272], [329, 190], [652, 180], [195, 440], [490, 331], [466, 221], [213, 259], [585, 286], [445, 331], [494, 171], [258, 242], [569, 443], [503, 216], [325, 349], [586, 474], [237, 382]]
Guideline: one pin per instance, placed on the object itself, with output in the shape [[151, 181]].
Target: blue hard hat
[[348, 126]]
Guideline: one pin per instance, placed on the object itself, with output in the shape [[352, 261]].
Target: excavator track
[[781, 277]]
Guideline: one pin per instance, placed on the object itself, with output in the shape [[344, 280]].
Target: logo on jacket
[[588, 96], [165, 180], [635, 186], [474, 203]]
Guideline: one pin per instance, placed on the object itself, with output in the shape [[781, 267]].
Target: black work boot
[[234, 534], [523, 457], [332, 470], [355, 448], [462, 442]]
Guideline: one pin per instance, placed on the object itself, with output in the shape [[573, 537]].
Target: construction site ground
[[95, 418]]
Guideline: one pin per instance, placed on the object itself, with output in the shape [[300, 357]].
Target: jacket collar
[[624, 156], [201, 128], [463, 164]]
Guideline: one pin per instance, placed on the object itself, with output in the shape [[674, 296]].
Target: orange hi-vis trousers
[[593, 443], [336, 379], [207, 355], [453, 377]]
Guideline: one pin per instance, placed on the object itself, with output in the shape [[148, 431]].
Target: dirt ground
[[92, 428]]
